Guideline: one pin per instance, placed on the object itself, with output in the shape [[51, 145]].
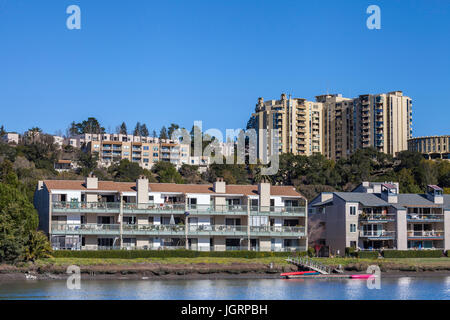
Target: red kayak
[[299, 273]]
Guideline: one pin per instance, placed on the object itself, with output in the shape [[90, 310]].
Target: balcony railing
[[377, 234], [419, 217], [88, 228], [425, 234], [376, 217], [85, 206], [288, 249], [163, 229], [272, 230], [177, 208]]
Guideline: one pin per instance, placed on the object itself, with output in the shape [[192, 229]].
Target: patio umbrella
[[172, 220]]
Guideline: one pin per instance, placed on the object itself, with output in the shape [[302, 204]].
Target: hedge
[[412, 253], [368, 254], [133, 254]]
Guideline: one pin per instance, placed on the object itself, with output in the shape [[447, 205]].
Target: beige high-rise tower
[[297, 123], [333, 125]]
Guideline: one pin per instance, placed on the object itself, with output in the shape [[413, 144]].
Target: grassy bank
[[213, 266], [164, 261]]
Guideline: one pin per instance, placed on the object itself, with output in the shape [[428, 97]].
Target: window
[[129, 220], [146, 148], [352, 227], [352, 211]]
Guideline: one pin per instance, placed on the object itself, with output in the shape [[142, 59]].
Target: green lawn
[[97, 261], [224, 261]]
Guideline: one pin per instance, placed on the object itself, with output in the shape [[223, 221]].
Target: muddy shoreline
[[155, 271]]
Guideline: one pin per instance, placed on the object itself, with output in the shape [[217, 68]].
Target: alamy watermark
[[74, 280], [374, 282], [250, 146], [74, 20], [374, 20]]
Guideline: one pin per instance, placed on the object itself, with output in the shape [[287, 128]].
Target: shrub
[[412, 253], [368, 254], [133, 254], [351, 252]]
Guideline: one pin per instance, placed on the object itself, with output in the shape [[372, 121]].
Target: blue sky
[[159, 62]]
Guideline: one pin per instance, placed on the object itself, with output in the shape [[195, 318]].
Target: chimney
[[142, 190], [91, 182], [434, 194], [264, 196], [219, 186]]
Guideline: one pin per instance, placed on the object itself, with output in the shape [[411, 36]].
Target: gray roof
[[366, 199], [374, 200], [326, 202], [415, 200]]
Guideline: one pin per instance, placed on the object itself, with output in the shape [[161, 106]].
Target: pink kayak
[[298, 273], [362, 276]]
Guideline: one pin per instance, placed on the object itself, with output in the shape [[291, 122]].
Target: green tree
[[172, 128], [137, 129], [144, 131], [166, 172], [163, 133], [18, 219], [126, 171], [87, 162], [123, 128], [2, 131]]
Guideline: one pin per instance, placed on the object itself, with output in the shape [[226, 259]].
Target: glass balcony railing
[[377, 234], [177, 208], [426, 234], [411, 217], [376, 217], [85, 206]]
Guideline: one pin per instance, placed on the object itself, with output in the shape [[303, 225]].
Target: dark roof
[[366, 199], [323, 203], [415, 200]]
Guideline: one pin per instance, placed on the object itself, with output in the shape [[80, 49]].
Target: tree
[[126, 170], [87, 162], [123, 128], [2, 131], [137, 129], [166, 172], [18, 219], [172, 128], [154, 134], [91, 125], [190, 174], [144, 131], [163, 133]]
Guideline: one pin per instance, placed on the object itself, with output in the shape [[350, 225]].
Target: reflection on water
[[436, 288]]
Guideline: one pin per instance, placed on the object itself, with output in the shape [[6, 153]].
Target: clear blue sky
[[159, 62]]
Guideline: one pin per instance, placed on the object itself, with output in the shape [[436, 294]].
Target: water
[[431, 288]]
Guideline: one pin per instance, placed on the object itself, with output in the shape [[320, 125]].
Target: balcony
[[100, 207], [285, 231], [85, 229], [431, 234], [176, 208], [419, 217], [178, 230], [378, 234], [376, 218]]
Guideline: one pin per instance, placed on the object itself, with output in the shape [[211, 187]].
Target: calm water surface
[[433, 288]]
